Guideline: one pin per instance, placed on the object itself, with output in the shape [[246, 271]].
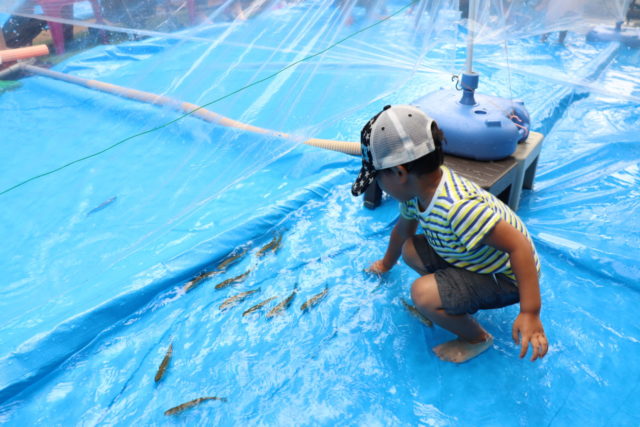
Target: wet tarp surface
[[95, 256]]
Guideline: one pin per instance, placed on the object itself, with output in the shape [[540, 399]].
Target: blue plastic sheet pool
[[95, 256]]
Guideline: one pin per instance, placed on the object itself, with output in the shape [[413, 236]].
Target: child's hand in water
[[378, 267], [529, 327]]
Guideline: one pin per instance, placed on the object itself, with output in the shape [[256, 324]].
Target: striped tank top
[[459, 216]]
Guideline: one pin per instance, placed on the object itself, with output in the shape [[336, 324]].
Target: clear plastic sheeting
[[490, 21], [493, 21], [185, 19], [274, 57], [120, 214]]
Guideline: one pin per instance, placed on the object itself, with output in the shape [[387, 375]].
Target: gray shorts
[[462, 291]]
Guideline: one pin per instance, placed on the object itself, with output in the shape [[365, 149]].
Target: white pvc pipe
[[12, 55], [471, 19], [346, 147]]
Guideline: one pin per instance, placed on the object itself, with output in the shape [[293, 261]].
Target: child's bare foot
[[459, 351]]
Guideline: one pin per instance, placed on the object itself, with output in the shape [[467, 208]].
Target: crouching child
[[472, 252]]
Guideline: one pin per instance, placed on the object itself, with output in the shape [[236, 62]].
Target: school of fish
[[233, 300]]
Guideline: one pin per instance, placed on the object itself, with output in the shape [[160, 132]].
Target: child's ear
[[401, 170]]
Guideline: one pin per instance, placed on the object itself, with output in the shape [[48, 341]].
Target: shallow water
[[96, 255]]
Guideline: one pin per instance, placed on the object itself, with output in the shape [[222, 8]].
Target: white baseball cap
[[397, 135]]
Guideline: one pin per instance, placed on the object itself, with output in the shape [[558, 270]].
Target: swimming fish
[[258, 306], [283, 305], [164, 364], [228, 261], [102, 205], [416, 313], [231, 301], [314, 300], [236, 279], [196, 280], [191, 404], [273, 245]]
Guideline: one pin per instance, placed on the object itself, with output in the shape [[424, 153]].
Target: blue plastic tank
[[477, 126]]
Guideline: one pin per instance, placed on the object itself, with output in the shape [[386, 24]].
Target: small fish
[[231, 259], [258, 306], [196, 280], [165, 363], [416, 313], [231, 301], [236, 279], [283, 305], [273, 245], [314, 300], [102, 205], [191, 404]]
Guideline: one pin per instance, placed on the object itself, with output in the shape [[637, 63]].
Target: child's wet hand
[[528, 327], [378, 267]]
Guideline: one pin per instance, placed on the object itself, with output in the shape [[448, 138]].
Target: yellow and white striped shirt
[[459, 216]]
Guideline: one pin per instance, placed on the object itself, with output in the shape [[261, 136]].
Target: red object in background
[[53, 8]]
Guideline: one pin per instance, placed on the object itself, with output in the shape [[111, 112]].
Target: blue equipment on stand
[[628, 35], [477, 126], [480, 127]]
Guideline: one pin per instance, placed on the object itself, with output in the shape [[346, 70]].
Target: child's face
[[392, 183]]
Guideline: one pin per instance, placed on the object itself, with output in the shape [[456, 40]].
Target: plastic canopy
[[110, 206]]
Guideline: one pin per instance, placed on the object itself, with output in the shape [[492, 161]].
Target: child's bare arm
[[527, 325], [403, 229]]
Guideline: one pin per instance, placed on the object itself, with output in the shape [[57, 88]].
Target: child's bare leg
[[472, 338], [411, 257]]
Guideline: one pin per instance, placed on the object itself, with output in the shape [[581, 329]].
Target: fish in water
[[236, 279], [416, 313], [314, 300], [283, 305], [102, 205], [232, 259], [258, 306], [273, 245], [191, 404], [165, 362], [231, 301], [196, 280]]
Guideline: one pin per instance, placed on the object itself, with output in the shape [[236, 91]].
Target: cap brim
[[366, 176]]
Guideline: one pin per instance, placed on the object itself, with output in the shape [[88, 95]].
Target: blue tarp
[[95, 256]]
